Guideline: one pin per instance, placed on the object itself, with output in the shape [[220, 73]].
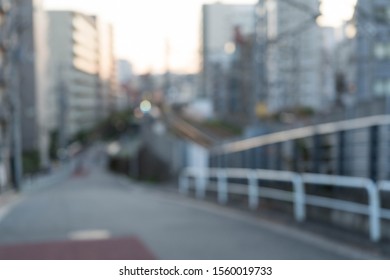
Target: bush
[[31, 162]]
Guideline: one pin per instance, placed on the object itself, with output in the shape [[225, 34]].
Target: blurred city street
[[98, 215], [245, 129]]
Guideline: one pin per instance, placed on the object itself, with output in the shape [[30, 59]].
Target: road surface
[[98, 215]]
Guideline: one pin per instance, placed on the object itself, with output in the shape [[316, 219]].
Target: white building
[[125, 78], [81, 71], [108, 86], [125, 71], [294, 55]]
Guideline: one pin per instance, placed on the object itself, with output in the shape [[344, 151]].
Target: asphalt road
[[97, 215]]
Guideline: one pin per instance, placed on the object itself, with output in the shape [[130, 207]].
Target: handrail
[[298, 133], [353, 182], [384, 186], [299, 198]]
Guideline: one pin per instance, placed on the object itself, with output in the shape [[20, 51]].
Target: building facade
[[5, 113], [372, 19], [238, 100], [219, 22], [23, 90], [82, 72], [108, 85], [33, 81], [293, 54]]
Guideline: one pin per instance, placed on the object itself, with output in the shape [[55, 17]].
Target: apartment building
[[293, 55], [82, 71], [372, 19], [5, 120]]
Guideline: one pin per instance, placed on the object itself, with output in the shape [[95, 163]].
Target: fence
[[298, 195], [354, 147]]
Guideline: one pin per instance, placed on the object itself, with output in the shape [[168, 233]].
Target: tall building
[[345, 65], [23, 87], [5, 118], [372, 19], [293, 54], [33, 87], [363, 55], [127, 94], [218, 24], [82, 72], [108, 86], [237, 101]]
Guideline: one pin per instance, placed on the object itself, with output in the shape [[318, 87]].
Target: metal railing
[[299, 133], [297, 196], [384, 186]]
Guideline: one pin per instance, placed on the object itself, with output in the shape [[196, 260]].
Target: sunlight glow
[[142, 28], [335, 12]]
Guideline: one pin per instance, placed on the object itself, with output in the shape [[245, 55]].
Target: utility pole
[[13, 59], [167, 86], [259, 53], [62, 101]]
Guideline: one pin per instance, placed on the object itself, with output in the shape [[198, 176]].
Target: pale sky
[[142, 27]]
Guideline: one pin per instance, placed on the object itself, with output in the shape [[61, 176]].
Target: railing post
[[373, 152], [299, 198], [317, 153], [183, 183], [341, 152], [253, 190], [201, 184], [374, 211], [222, 187]]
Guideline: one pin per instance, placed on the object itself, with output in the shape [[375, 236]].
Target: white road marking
[[92, 234]]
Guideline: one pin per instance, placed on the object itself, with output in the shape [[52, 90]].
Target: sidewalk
[[8, 197]]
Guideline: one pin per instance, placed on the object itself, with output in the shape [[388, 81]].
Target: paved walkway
[[98, 215]]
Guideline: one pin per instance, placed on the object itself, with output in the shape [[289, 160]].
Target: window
[[382, 87], [382, 14], [382, 51], [379, 51]]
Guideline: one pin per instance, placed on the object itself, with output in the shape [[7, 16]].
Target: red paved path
[[130, 248]]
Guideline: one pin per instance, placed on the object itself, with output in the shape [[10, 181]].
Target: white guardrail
[[297, 195]]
